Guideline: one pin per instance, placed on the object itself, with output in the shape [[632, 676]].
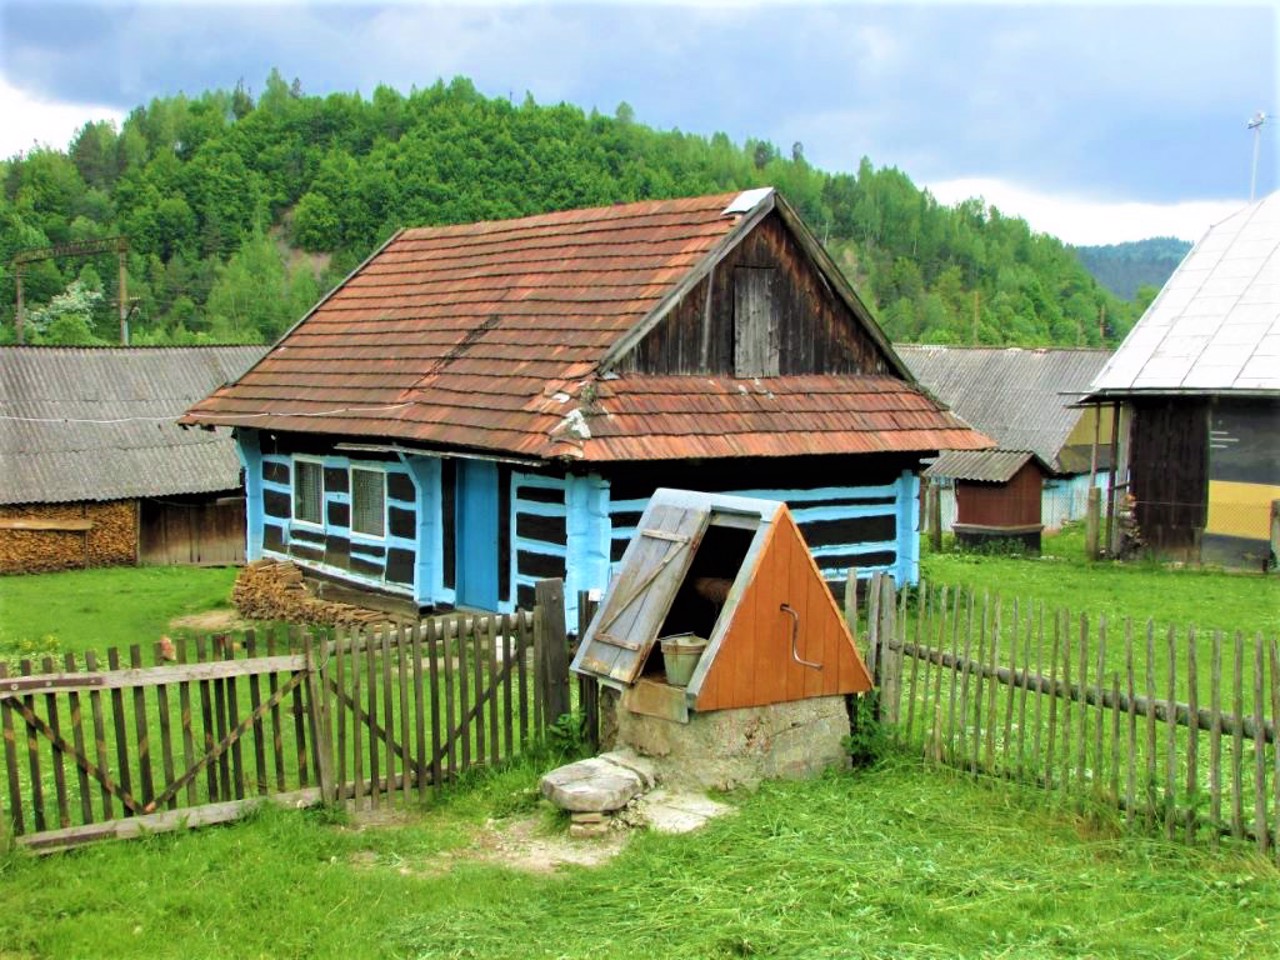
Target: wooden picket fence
[[1125, 717], [217, 723]]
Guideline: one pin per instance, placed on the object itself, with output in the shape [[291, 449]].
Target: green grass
[[1061, 578], [888, 862], [110, 607]]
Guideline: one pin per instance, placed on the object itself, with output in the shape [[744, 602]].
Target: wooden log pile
[[276, 590], [37, 538]]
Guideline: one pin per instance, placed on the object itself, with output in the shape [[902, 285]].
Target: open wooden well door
[[625, 627]]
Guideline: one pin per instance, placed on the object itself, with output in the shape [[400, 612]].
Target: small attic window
[[755, 323]]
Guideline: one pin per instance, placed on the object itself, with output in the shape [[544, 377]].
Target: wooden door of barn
[[191, 530]]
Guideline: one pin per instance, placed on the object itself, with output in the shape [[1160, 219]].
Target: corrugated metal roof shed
[[100, 423], [1215, 327], [988, 466], [1020, 397], [494, 336]]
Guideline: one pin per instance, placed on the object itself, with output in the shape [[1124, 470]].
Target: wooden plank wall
[[192, 532], [815, 330]]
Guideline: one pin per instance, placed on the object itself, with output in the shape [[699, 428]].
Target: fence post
[[318, 715], [933, 516], [1093, 523], [851, 602], [553, 657], [889, 659], [588, 687]]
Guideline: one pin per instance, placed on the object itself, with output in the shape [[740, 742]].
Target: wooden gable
[[768, 306]]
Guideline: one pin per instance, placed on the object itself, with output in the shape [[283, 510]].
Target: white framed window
[[368, 502], [308, 491]]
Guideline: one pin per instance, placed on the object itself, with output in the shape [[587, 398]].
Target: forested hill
[[240, 212], [1124, 267]]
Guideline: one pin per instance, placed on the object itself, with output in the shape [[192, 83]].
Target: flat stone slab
[[679, 812], [595, 784], [630, 760]]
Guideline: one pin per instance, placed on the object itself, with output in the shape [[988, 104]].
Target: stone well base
[[724, 749]]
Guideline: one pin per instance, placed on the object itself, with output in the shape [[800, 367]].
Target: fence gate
[[412, 706], [92, 753], [218, 723]]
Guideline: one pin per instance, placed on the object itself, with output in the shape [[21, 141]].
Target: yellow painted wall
[[1082, 432], [1241, 509]]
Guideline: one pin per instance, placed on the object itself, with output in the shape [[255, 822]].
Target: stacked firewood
[[276, 590]]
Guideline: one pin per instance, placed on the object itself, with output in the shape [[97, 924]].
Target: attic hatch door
[[654, 566]]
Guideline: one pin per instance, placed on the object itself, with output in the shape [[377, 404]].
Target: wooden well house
[[735, 572]]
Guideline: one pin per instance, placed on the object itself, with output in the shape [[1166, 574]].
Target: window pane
[[368, 489], [306, 491]]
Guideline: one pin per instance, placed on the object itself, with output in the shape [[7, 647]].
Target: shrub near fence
[[1178, 731], [353, 715]]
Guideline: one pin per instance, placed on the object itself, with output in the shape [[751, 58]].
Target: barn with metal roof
[[1197, 383], [1025, 400], [484, 405], [96, 468]]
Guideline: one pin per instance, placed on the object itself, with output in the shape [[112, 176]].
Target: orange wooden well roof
[[490, 335]]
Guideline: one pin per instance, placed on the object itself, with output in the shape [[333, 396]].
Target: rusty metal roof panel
[[987, 466]]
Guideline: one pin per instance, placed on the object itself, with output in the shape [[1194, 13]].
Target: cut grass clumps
[[891, 861]]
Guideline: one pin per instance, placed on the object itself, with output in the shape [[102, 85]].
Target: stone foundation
[[724, 749]]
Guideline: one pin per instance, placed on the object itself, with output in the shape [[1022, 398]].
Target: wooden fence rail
[[216, 723], [1129, 718]]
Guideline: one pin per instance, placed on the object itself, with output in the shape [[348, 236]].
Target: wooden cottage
[[998, 495], [1196, 392], [736, 573], [96, 470], [481, 406]]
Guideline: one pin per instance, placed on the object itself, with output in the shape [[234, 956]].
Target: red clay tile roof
[[477, 335], [661, 418]]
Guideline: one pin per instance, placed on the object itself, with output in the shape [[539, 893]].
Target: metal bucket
[[681, 653]]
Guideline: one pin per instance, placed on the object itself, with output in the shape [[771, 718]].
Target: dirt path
[[211, 621]]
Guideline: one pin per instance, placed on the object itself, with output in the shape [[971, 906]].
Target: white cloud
[[1083, 221], [30, 121]]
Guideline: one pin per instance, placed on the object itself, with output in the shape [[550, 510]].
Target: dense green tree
[[205, 188]]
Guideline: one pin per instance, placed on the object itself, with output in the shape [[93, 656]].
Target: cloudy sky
[[1097, 122]]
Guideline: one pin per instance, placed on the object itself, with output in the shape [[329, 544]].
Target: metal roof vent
[[746, 201]]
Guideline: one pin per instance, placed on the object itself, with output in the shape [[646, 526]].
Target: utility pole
[[1255, 124], [76, 248]]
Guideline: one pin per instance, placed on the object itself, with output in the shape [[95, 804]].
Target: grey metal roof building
[[1020, 397], [1215, 327], [99, 423]]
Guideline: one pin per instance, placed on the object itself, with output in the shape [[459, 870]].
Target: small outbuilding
[[724, 657], [1196, 389], [97, 472], [733, 572], [998, 495]]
